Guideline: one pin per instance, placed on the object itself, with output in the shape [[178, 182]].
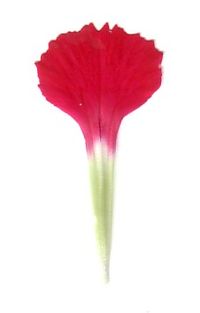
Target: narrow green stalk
[[101, 168]]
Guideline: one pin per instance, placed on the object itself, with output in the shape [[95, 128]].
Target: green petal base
[[101, 169]]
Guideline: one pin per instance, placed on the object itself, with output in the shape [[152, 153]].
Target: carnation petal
[[98, 77]]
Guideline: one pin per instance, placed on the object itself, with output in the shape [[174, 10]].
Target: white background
[[47, 248]]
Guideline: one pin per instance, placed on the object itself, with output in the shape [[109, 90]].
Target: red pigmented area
[[98, 77]]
